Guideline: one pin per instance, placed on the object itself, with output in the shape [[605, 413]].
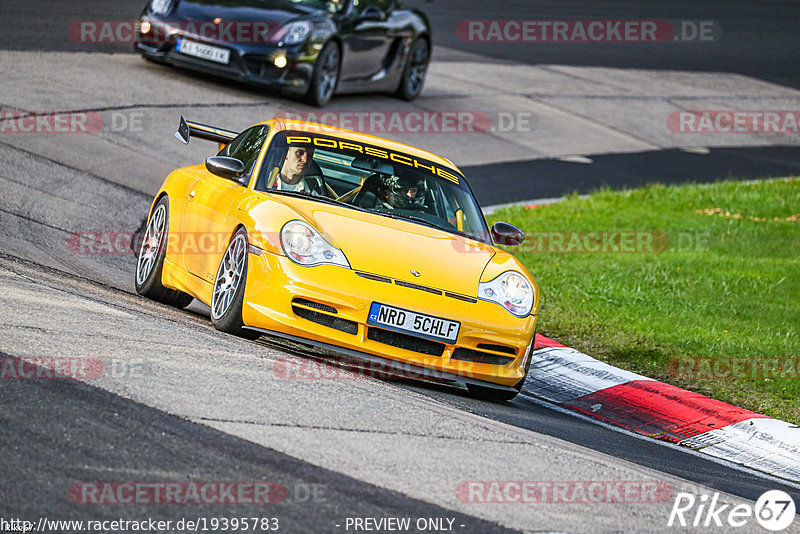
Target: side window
[[383, 5], [247, 146]]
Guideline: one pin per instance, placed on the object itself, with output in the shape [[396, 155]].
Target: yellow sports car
[[342, 240]]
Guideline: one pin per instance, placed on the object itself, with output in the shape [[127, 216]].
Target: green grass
[[727, 286]]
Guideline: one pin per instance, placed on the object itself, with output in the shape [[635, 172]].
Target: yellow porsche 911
[[337, 239]]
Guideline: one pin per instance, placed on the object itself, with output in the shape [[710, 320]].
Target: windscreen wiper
[[426, 222], [319, 198]]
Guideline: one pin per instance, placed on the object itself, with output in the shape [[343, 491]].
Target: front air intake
[[406, 342], [476, 356], [331, 321]]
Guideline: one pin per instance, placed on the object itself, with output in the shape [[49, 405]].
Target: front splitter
[[405, 370]]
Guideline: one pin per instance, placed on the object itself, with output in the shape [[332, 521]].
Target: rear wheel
[[150, 264], [325, 76], [228, 296], [413, 77]]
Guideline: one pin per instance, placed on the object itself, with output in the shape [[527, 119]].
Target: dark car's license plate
[[204, 51]]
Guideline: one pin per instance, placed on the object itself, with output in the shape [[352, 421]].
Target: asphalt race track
[[181, 402]]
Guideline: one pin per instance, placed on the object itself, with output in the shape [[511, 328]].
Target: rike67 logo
[[774, 510]]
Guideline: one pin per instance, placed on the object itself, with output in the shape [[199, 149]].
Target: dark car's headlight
[[293, 33], [304, 246], [161, 7], [511, 290]]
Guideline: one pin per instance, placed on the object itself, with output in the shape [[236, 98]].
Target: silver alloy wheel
[[419, 64], [229, 275], [153, 236], [329, 71]]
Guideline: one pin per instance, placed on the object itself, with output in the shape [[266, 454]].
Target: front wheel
[[492, 394], [413, 77], [150, 263], [227, 298], [325, 76]]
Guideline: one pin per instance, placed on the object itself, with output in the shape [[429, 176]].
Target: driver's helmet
[[405, 192]]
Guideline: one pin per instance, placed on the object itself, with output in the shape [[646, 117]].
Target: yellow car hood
[[397, 249]]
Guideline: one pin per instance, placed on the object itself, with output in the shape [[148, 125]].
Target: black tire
[[226, 313], [492, 394], [413, 78], [150, 261], [325, 77]]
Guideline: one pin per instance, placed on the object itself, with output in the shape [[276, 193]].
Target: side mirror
[[507, 234], [372, 13], [230, 168]]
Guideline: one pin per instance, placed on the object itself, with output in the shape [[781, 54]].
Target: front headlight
[[161, 7], [304, 246], [293, 33], [511, 290]]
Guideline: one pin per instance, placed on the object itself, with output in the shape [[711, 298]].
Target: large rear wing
[[187, 130]]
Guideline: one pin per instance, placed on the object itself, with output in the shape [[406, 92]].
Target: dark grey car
[[309, 48]]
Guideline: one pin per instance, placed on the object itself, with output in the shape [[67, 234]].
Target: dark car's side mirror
[[230, 168], [507, 234], [372, 13]]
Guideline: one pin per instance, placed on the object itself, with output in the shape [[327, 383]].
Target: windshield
[[331, 6], [372, 178]]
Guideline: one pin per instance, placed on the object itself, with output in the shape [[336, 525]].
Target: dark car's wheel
[[150, 262], [325, 76], [413, 77], [228, 295], [492, 394]]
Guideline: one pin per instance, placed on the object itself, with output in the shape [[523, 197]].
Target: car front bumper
[[330, 305], [253, 64]]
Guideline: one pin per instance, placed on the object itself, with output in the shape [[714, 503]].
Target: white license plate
[[416, 324], [203, 51]]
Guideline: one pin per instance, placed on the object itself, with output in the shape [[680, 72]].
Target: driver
[[404, 192]]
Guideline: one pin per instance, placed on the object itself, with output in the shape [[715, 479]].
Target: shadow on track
[[547, 178]]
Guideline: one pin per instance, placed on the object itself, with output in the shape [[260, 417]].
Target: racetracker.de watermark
[[70, 368], [72, 122], [95, 32], [50, 368], [196, 492], [735, 122], [552, 242], [733, 368], [290, 368], [145, 493], [124, 243], [610, 242], [419, 121], [565, 492], [588, 31]]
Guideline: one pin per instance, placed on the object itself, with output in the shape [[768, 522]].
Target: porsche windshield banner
[[333, 143]]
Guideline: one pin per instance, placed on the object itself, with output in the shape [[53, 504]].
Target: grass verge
[[707, 298]]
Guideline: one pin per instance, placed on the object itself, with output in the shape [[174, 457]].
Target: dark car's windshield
[[371, 178], [331, 6]]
